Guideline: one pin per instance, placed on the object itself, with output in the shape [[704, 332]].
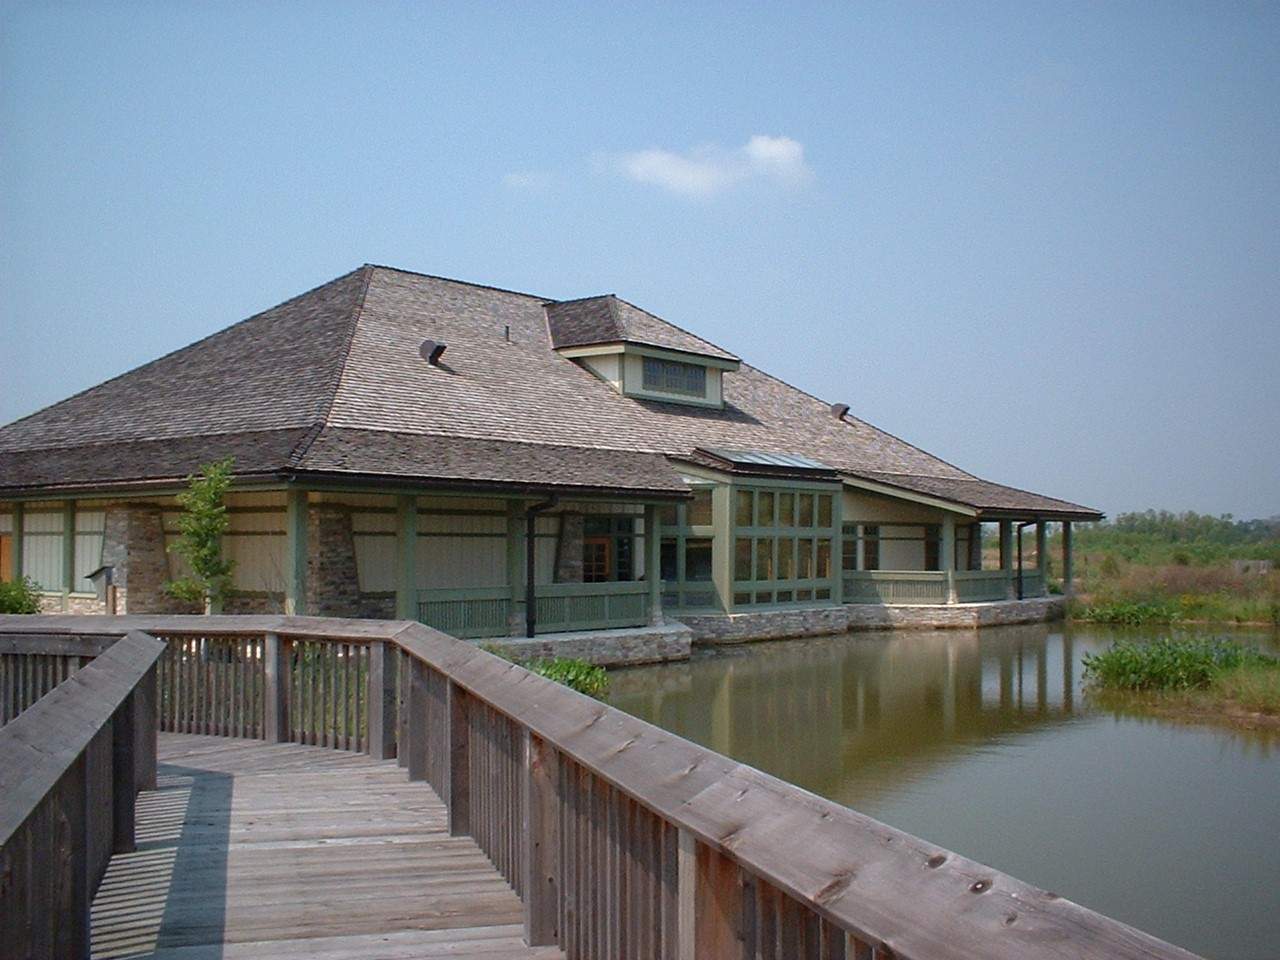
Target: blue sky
[[1041, 240]]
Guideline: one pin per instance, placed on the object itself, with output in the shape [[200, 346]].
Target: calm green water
[[985, 743]]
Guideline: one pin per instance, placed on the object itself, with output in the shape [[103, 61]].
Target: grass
[[1191, 676], [573, 673]]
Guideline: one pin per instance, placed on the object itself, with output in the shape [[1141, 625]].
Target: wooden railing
[[31, 666], [624, 840], [976, 586], [71, 766], [487, 611], [895, 586]]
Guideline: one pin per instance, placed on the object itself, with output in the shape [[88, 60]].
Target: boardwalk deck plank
[[282, 851]]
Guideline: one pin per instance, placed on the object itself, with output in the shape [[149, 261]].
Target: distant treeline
[[1164, 537]]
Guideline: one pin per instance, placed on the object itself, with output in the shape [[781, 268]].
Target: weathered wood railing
[[71, 766], [31, 666], [622, 839]]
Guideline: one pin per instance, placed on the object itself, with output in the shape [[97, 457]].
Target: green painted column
[[18, 524], [1006, 556], [295, 573], [68, 550], [515, 567], [837, 547], [1068, 585], [406, 558], [975, 546], [947, 554], [1042, 544], [653, 561], [722, 543]]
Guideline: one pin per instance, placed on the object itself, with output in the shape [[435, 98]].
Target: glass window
[[742, 559], [672, 376], [806, 509], [824, 559], [871, 547], [764, 558], [699, 509], [849, 549], [823, 594], [697, 558], [824, 509], [764, 509], [740, 599], [742, 514], [804, 559], [669, 515], [932, 545], [670, 569], [786, 509], [784, 596], [786, 559], [802, 595]]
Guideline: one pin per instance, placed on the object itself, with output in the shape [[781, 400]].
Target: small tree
[[201, 526]]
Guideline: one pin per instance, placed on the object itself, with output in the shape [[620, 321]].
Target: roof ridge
[[172, 353], [594, 296], [676, 326], [463, 283]]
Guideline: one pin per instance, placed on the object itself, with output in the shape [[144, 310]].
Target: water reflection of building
[[821, 713]]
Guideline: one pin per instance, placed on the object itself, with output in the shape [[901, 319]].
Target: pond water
[[985, 742]]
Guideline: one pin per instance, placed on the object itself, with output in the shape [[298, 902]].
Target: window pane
[[697, 558], [806, 509], [784, 596], [824, 559], [764, 559], [786, 509], [740, 599], [823, 594], [804, 559], [804, 595], [849, 553], [672, 376], [764, 509], [670, 554], [669, 515], [742, 516], [742, 559], [824, 509], [786, 559], [700, 509]]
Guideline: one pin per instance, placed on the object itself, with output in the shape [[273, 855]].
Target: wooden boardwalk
[[248, 849]]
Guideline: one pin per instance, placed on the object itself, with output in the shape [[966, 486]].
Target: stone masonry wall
[[333, 587], [134, 545]]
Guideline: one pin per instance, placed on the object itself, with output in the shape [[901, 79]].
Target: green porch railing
[[1032, 583], [477, 612], [977, 586], [895, 586]]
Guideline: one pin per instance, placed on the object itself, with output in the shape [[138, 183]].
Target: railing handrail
[[879, 883]]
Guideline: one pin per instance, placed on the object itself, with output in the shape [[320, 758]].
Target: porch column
[[515, 567], [975, 545], [295, 533], [68, 551], [653, 561], [1006, 557], [1042, 553], [837, 547], [18, 521], [406, 557], [1068, 587], [947, 554]]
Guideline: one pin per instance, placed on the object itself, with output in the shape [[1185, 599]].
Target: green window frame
[[687, 546], [784, 542]]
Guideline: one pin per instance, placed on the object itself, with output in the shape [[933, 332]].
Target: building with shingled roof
[[496, 463]]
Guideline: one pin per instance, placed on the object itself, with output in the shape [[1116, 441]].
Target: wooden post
[[653, 561], [275, 690], [146, 725], [975, 545], [124, 790], [68, 551], [18, 527], [687, 896], [72, 925], [1042, 552], [837, 546], [381, 700], [947, 554], [1006, 556], [541, 831], [515, 567], [418, 716], [406, 558], [718, 904], [457, 785], [295, 574], [1068, 585]]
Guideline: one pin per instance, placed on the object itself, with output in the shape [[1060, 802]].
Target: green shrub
[[1168, 664], [1131, 613], [576, 674], [19, 596]]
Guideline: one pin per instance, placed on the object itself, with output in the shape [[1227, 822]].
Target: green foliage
[[1185, 539], [576, 674], [201, 526], [1170, 664], [1130, 613], [19, 596]]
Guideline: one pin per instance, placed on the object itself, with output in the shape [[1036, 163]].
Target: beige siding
[[256, 542]]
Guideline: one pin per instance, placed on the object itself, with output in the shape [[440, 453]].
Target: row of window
[[872, 539], [770, 508], [781, 558], [672, 376]]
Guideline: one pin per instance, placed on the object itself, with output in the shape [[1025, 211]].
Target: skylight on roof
[[766, 459]]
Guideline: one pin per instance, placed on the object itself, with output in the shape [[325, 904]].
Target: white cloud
[[708, 170]]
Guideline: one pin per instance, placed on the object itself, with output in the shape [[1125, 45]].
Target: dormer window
[[674, 376]]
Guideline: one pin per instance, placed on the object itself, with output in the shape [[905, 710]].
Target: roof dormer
[[638, 354]]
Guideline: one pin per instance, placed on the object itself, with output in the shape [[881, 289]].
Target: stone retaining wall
[[607, 648]]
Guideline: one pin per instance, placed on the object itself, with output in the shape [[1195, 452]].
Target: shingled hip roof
[[332, 383]]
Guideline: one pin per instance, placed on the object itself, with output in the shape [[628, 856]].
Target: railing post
[[542, 842], [146, 727], [457, 782], [686, 896], [124, 791], [275, 699], [417, 718], [381, 700]]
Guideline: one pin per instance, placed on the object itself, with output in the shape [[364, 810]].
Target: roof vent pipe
[[431, 352], [838, 410]]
